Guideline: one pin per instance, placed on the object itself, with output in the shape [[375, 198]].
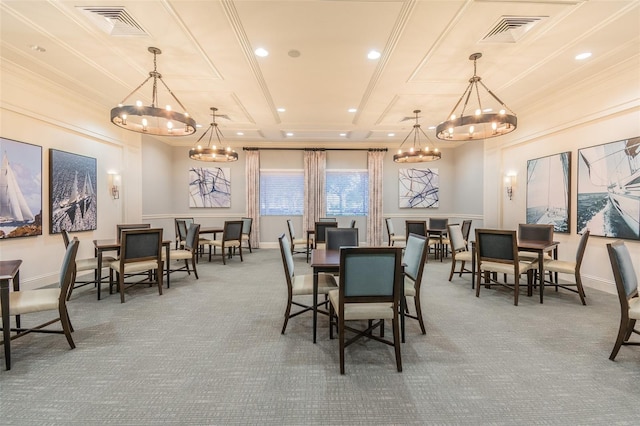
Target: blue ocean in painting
[[596, 213]]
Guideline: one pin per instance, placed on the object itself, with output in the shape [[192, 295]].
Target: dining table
[[9, 271], [106, 245], [213, 230]]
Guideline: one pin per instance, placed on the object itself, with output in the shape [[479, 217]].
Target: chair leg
[[580, 288], [287, 311], [453, 268], [66, 325], [341, 337], [396, 344], [625, 329], [73, 280], [193, 263], [419, 312], [240, 252], [159, 276]]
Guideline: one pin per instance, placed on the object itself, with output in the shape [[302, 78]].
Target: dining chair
[[466, 228], [125, 226], [140, 252], [534, 232], [188, 252], [497, 252], [84, 265], [293, 241], [301, 285], [247, 222], [320, 236], [231, 238], [459, 251], [370, 290], [23, 302], [626, 280], [418, 227], [180, 238], [181, 233], [438, 240], [415, 256], [341, 237], [554, 266], [391, 233], [327, 219]]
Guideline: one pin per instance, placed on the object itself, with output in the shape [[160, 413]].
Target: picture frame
[[418, 188], [210, 187], [549, 191], [73, 200], [609, 189], [20, 189]]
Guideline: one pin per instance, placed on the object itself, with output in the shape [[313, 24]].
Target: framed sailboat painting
[[609, 189], [20, 189], [72, 196], [548, 191]]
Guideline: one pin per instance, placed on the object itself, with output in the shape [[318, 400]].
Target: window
[[281, 192], [347, 192]]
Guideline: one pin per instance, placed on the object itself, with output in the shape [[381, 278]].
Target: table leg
[[99, 254], [541, 273], [167, 251], [315, 303], [6, 326], [307, 249]]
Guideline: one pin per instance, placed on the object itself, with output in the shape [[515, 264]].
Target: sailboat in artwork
[[78, 197], [13, 205], [618, 170]]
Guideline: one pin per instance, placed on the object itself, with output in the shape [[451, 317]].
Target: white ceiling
[[207, 59]]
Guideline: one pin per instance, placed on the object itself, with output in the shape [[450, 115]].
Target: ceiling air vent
[[510, 29], [115, 21]]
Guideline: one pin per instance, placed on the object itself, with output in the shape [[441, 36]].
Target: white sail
[[88, 188], [13, 205]]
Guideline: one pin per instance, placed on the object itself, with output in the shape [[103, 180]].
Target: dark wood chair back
[[341, 237], [125, 226], [320, 231]]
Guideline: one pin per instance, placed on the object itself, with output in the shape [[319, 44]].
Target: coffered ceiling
[[317, 68]]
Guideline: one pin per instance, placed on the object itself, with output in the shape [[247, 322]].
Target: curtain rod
[[249, 148]]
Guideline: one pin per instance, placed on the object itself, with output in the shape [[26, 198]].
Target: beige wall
[[154, 175]]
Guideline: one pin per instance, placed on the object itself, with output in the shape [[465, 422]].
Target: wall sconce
[[114, 185], [509, 183]]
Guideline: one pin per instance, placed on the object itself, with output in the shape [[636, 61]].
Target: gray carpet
[[209, 351]]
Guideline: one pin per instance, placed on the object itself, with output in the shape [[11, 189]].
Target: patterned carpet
[[209, 351]]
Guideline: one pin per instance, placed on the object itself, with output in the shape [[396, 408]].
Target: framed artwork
[[418, 188], [20, 189], [209, 187], [609, 189], [548, 191], [72, 196]]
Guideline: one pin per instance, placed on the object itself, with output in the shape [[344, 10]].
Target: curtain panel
[[315, 164], [375, 161], [252, 171]]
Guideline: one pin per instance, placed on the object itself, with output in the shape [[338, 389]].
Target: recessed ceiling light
[[352, 109], [343, 134], [38, 48], [289, 134], [198, 125], [261, 52], [582, 56], [373, 54], [281, 110], [391, 134], [431, 127], [240, 134]]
